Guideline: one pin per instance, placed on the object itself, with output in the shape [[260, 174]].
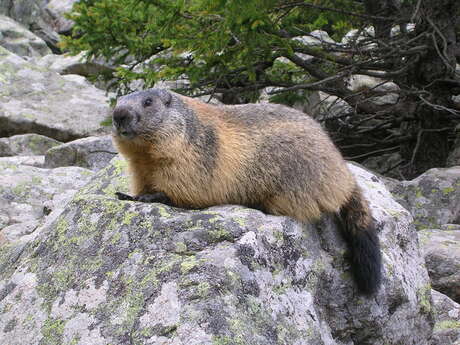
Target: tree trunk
[[430, 145]]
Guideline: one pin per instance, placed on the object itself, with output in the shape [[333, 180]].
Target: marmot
[[190, 154]]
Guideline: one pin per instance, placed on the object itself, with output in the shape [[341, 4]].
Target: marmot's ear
[[165, 97]]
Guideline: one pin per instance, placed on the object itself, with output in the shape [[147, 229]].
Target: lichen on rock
[[119, 272]]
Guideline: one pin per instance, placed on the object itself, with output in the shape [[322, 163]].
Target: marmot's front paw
[[154, 197], [123, 196]]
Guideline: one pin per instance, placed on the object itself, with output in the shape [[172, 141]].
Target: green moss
[[28, 321], [21, 190], [203, 289], [181, 247], [52, 331], [448, 190], [135, 306], [6, 308], [418, 193], [75, 340], [150, 280], [36, 180], [120, 165], [240, 221], [128, 217], [163, 211], [394, 213], [62, 277], [188, 264], [219, 235], [447, 324], [279, 236], [424, 297]]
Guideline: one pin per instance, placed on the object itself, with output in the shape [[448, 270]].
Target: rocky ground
[[77, 266]]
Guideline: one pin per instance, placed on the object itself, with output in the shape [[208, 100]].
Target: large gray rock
[[447, 326], [35, 100], [28, 193], [432, 198], [442, 255], [57, 10], [323, 106], [360, 83], [19, 40], [35, 161], [34, 16], [116, 272], [78, 64], [93, 153], [26, 145]]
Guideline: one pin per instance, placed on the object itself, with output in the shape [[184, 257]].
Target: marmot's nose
[[123, 116]]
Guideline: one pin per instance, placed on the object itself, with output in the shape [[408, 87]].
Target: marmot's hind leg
[[293, 206]]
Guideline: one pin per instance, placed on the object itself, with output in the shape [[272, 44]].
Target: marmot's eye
[[147, 102]]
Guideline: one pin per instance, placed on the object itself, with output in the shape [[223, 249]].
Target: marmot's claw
[[123, 196]]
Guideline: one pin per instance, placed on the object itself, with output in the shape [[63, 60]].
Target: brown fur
[[169, 167], [260, 155]]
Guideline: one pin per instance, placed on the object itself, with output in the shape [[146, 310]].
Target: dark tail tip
[[360, 233], [366, 260]]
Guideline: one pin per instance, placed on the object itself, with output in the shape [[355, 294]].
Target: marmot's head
[[148, 115]]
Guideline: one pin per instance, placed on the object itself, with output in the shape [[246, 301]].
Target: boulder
[[93, 153], [323, 106], [28, 193], [57, 10], [26, 145], [19, 40], [35, 161], [119, 272], [447, 326], [77, 64], [432, 198], [36, 100], [389, 90], [34, 17], [441, 249]]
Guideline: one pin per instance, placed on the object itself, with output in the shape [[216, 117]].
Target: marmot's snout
[[124, 120]]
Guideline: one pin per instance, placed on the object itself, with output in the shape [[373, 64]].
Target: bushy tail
[[361, 235]]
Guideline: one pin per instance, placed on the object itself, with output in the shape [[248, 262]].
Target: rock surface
[[19, 40], [359, 82], [26, 145], [35, 100], [28, 193], [93, 153], [33, 16], [35, 161], [442, 256], [57, 9], [68, 64], [109, 271], [433, 198], [447, 326]]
